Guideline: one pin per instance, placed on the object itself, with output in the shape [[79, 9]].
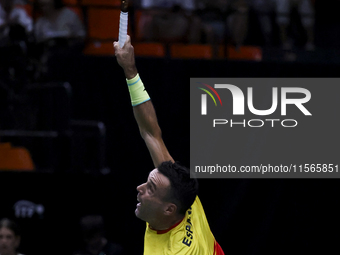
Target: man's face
[[151, 197], [8, 241]]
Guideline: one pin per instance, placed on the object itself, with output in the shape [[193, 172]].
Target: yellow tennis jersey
[[191, 236]]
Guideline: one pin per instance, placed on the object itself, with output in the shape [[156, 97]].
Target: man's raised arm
[[143, 109]]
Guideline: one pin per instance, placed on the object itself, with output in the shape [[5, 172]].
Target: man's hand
[[126, 58]]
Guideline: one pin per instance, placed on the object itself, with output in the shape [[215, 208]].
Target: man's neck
[[166, 224]]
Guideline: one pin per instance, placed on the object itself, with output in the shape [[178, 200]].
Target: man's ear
[[170, 209]]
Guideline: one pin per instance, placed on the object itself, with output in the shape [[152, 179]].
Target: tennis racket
[[123, 23]]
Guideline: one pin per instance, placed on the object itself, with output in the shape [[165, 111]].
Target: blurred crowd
[[28, 38], [32, 32], [91, 231], [228, 21]]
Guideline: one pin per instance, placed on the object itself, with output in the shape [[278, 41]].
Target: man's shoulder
[[197, 203], [187, 236]]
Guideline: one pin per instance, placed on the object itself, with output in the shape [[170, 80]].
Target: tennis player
[[168, 201]]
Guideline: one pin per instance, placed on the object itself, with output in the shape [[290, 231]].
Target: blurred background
[[71, 155]]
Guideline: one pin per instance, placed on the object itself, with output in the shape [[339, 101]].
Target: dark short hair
[[183, 190], [7, 223]]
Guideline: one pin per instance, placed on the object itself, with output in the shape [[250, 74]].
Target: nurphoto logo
[[238, 99]]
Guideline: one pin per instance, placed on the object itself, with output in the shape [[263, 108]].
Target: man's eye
[[150, 188]]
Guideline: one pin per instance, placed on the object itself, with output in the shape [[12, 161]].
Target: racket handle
[[123, 24]]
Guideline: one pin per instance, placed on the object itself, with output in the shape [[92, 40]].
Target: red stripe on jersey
[[166, 230], [217, 249]]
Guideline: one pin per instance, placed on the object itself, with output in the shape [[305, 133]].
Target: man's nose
[[140, 188]]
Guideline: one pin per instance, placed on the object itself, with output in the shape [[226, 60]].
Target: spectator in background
[[59, 34], [15, 18], [306, 11], [57, 21], [213, 15], [224, 15], [264, 10], [94, 240], [9, 237], [169, 21], [16, 28], [238, 21]]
